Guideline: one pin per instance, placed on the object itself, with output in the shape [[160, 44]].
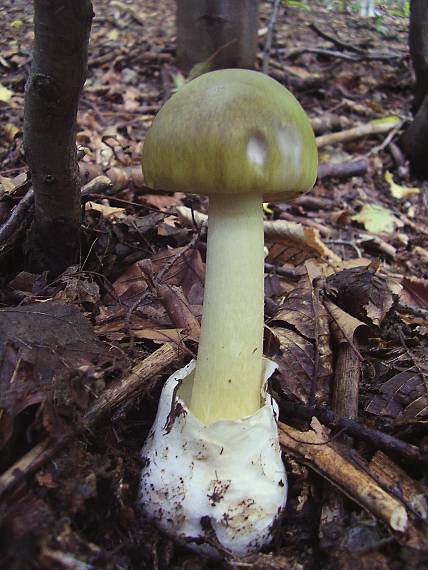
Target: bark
[[344, 404], [418, 45], [414, 139], [221, 31], [58, 72]]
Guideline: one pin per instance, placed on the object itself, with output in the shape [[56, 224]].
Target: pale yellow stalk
[[228, 373]]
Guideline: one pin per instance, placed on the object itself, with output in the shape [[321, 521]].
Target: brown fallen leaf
[[302, 329], [364, 292], [415, 292], [111, 213], [343, 325], [404, 394]]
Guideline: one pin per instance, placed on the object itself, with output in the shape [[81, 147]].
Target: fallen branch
[[120, 178], [352, 480], [140, 381], [372, 128], [292, 53], [375, 438], [329, 122], [11, 230], [345, 404], [336, 41], [346, 169]]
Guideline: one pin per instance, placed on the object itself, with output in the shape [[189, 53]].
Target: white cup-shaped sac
[[217, 488]]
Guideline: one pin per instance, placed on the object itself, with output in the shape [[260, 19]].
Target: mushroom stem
[[228, 372]]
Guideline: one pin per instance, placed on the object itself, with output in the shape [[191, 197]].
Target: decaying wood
[[311, 202], [374, 56], [120, 178], [372, 128], [140, 381], [29, 464], [271, 228], [98, 184], [346, 169], [397, 480], [346, 382], [345, 405], [353, 480], [306, 222], [378, 245], [373, 437], [329, 122]]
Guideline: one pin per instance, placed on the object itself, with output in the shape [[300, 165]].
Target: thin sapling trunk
[[58, 72]]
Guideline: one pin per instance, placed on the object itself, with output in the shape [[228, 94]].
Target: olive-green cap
[[232, 131]]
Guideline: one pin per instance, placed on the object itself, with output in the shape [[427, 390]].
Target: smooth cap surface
[[232, 131]]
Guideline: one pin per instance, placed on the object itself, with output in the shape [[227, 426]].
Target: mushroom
[[212, 456]]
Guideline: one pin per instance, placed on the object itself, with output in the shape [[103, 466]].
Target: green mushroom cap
[[232, 131]]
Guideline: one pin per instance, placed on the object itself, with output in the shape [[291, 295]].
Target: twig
[[371, 128], [346, 169], [346, 242], [350, 478], [288, 54], [415, 311], [17, 218], [375, 438], [268, 42], [336, 41], [283, 271], [387, 140]]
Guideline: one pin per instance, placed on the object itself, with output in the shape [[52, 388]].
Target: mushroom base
[[217, 488]]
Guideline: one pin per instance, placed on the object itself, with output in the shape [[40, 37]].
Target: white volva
[[217, 488]]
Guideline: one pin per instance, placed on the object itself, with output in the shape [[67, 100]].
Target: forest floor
[[84, 355]]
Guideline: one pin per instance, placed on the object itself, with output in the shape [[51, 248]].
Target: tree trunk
[[414, 140], [418, 44], [58, 72], [222, 31]]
